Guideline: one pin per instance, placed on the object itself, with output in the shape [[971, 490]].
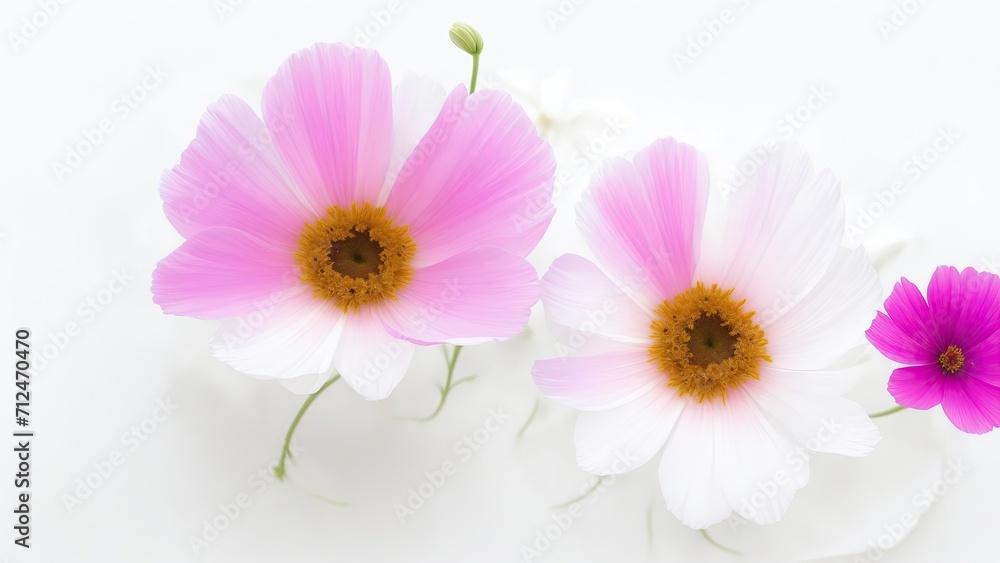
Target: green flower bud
[[466, 38]]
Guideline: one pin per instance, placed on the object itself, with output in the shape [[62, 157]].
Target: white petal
[[578, 295], [306, 384], [293, 338], [783, 230], [726, 457], [619, 440], [822, 326], [416, 103], [821, 423], [369, 359]]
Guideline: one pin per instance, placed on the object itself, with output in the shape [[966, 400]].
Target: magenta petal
[[917, 387], [965, 306], [480, 176], [971, 405], [599, 382], [643, 220], [983, 360], [222, 272], [482, 293], [896, 344], [231, 176], [909, 313], [329, 111]]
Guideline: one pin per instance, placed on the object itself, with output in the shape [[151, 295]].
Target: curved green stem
[[531, 418], [475, 73], [449, 384], [708, 538], [286, 451], [590, 491], [887, 412]]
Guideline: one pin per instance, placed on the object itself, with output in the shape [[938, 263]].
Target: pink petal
[[972, 405], [480, 176], [231, 176], [371, 360], [918, 387], [964, 306], [616, 441], [578, 295], [814, 330], [294, 338], [329, 110], [784, 229], [416, 104], [599, 382], [643, 220], [481, 293], [222, 272], [906, 334]]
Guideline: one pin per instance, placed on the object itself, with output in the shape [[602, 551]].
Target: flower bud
[[466, 38]]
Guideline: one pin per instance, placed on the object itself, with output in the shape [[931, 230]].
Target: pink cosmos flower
[[950, 343], [354, 221], [721, 353]]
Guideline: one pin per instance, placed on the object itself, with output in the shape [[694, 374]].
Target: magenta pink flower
[[950, 343], [355, 220]]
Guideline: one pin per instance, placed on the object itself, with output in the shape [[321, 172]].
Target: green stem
[[887, 412], [286, 451], [449, 384], [475, 73], [708, 538], [531, 417], [590, 491]]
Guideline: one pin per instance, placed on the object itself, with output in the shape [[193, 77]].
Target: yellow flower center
[[952, 359], [706, 343], [355, 256]]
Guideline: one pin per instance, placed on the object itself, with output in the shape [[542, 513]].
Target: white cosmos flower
[[723, 358]]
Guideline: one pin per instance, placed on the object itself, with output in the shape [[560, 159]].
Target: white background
[[64, 239]]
